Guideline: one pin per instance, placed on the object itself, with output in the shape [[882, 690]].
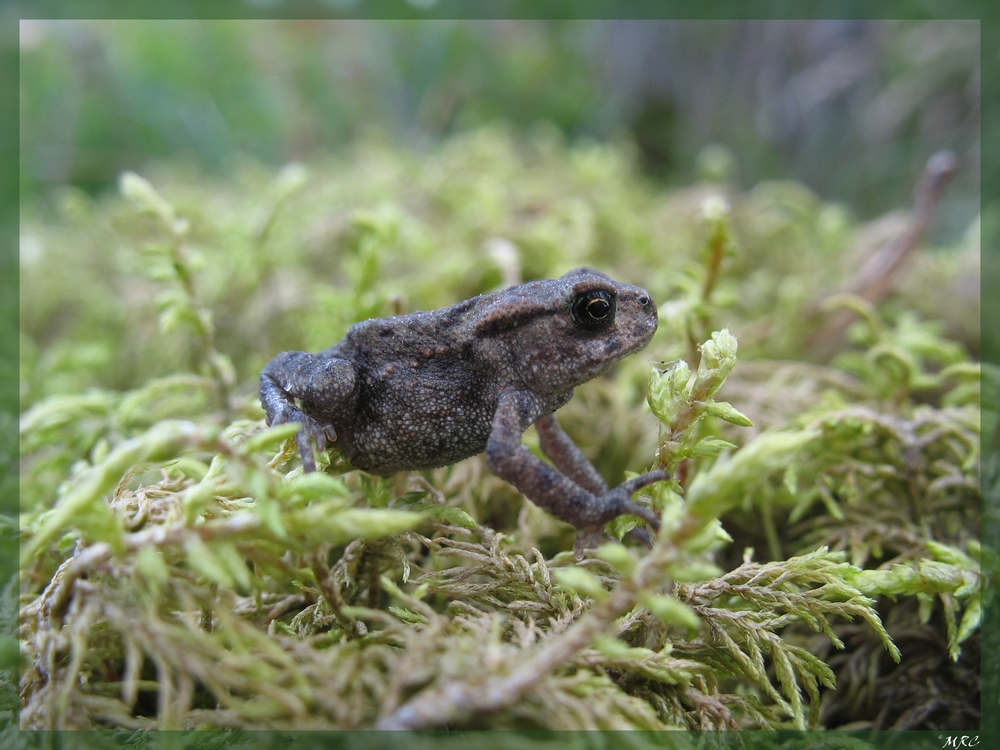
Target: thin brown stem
[[874, 280]]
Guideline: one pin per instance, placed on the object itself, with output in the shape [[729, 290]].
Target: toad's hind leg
[[324, 386]]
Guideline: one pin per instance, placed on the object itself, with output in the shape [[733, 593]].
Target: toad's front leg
[[568, 458], [547, 487], [324, 386]]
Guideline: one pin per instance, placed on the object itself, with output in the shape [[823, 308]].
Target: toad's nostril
[[643, 300]]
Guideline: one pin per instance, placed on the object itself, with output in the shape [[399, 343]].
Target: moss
[[179, 571]]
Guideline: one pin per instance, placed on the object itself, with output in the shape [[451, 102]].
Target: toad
[[428, 389]]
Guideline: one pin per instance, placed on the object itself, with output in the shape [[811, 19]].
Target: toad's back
[[424, 396]]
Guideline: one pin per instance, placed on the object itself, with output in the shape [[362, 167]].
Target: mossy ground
[[178, 571]]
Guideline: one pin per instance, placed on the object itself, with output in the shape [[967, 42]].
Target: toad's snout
[[638, 307]]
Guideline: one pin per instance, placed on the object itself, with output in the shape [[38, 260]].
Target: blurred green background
[[852, 108]]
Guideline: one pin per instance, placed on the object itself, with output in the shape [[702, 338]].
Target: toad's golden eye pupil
[[598, 308], [594, 310]]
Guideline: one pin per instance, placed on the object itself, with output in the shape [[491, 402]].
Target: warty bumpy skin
[[429, 389]]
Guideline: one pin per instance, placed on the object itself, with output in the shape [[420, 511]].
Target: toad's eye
[[594, 310]]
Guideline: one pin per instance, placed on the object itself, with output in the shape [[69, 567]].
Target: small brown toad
[[428, 389]]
